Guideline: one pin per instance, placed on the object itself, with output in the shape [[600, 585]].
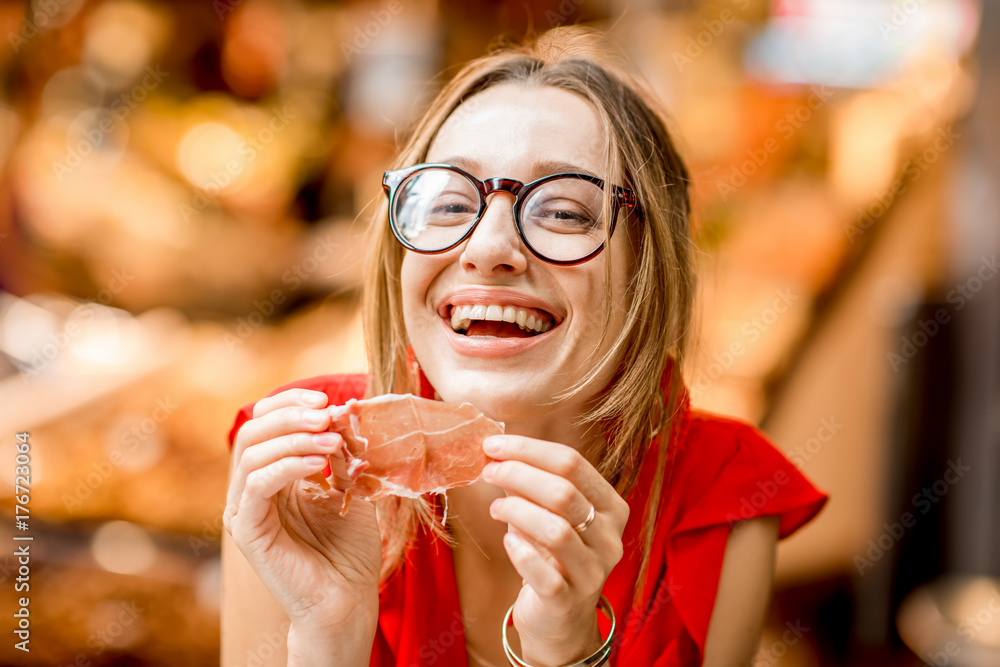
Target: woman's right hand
[[322, 568]]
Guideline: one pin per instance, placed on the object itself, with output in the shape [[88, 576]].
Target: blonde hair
[[641, 155]]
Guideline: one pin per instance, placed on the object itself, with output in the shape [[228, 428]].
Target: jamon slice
[[408, 446]]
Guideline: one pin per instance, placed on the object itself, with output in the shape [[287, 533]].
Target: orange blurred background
[[184, 191]]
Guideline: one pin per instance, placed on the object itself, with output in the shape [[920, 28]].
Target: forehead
[[524, 132]]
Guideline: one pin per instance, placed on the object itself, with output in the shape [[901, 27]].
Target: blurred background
[[184, 191]]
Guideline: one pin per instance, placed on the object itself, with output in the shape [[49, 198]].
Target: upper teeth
[[462, 316]]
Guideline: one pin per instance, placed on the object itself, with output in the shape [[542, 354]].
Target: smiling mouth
[[499, 321]]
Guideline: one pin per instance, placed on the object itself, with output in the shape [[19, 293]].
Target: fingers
[[279, 422], [286, 429], [562, 462], [584, 566], [261, 486], [539, 573], [303, 397], [556, 494], [266, 453], [551, 488]]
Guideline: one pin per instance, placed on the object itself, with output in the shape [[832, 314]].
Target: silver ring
[[580, 527]]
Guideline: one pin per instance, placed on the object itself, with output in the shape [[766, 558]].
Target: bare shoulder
[[743, 595]]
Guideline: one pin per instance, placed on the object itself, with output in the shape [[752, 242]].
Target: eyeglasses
[[560, 218]]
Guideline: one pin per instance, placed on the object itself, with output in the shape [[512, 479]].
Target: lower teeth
[[465, 332]]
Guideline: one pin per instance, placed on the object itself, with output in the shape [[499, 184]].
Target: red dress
[[725, 471]]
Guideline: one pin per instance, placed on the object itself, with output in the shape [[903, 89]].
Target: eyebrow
[[539, 168]]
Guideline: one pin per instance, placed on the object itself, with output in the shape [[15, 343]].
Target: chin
[[498, 398]]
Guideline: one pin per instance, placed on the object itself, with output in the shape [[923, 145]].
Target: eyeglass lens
[[562, 219]]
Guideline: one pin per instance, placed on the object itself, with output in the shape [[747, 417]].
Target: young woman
[[533, 259]]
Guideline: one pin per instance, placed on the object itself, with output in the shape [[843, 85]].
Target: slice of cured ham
[[408, 446]]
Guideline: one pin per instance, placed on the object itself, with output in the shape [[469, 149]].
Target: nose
[[495, 246]]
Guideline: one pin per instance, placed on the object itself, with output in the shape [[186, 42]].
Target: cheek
[[412, 295], [596, 298], [620, 277], [586, 292], [407, 280], [623, 269], [416, 276]]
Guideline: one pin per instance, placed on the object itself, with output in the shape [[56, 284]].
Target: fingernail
[[494, 506], [314, 461], [492, 445], [326, 439], [314, 398], [490, 470], [315, 418]]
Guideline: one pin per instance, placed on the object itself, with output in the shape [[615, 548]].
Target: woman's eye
[[450, 211], [451, 208], [564, 218], [566, 215]]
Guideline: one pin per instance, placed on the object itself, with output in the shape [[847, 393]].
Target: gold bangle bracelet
[[599, 657]]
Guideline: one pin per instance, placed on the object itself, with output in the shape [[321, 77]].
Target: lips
[[489, 347], [496, 322]]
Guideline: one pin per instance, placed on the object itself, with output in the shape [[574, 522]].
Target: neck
[[561, 425], [550, 428], [469, 505]]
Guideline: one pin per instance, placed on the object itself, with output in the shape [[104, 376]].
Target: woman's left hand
[[550, 490]]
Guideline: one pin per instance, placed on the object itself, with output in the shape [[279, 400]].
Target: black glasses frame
[[391, 180]]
